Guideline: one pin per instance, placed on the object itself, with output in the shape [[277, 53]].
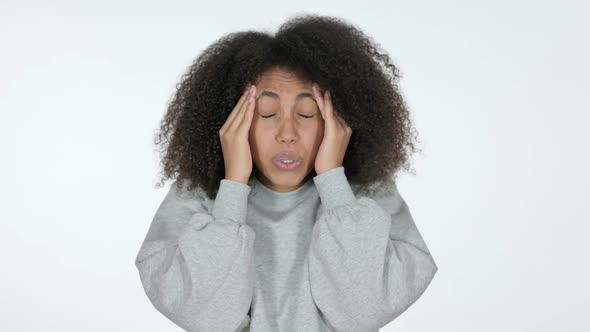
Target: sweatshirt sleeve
[[367, 261], [196, 266]]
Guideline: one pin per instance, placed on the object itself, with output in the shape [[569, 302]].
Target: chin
[[291, 178]]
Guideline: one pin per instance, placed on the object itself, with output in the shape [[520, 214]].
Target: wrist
[[237, 179]]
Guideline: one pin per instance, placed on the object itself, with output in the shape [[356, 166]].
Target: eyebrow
[[276, 96]]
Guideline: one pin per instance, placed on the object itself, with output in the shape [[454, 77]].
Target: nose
[[287, 132]]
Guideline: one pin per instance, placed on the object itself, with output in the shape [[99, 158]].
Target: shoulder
[[385, 194], [193, 199]]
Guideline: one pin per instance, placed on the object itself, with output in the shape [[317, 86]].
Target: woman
[[284, 215]]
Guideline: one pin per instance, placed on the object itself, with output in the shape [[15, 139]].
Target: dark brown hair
[[335, 54]]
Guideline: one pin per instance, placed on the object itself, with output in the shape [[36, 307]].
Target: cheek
[[312, 137], [260, 140], [318, 131], [257, 130], [321, 127]]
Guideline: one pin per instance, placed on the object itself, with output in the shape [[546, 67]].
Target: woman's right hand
[[234, 138]]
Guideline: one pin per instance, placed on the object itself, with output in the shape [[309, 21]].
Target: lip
[[284, 166], [287, 155], [297, 159]]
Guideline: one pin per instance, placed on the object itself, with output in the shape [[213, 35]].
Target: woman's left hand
[[336, 134]]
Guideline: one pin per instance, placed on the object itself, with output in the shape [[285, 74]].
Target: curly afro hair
[[326, 50]]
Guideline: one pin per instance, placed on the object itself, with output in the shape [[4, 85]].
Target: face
[[286, 119]]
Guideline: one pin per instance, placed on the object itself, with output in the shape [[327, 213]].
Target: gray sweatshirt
[[319, 258]]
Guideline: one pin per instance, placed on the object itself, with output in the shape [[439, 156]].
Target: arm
[[367, 260], [196, 267]]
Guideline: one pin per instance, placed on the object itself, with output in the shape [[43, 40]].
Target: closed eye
[[268, 116]]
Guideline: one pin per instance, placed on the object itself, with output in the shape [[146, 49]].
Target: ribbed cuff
[[231, 201], [334, 189]]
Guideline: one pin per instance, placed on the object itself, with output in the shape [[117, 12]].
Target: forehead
[[281, 79]]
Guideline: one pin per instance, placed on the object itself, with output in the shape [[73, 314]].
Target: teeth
[[287, 161]]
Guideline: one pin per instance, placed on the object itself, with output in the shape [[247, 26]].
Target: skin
[[309, 126], [287, 129]]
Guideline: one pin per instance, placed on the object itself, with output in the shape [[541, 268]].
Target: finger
[[237, 107], [236, 124], [328, 107], [318, 98], [237, 119], [248, 114], [331, 112]]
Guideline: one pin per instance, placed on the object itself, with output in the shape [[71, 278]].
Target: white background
[[498, 91]]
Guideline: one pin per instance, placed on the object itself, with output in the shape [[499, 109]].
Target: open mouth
[[287, 164]]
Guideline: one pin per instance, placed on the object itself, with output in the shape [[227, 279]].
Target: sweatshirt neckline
[[259, 187]]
